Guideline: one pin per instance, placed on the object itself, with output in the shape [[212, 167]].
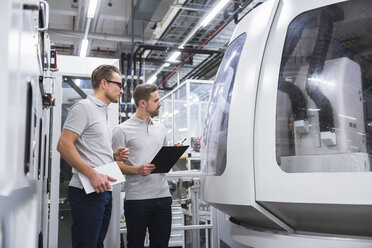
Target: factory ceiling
[[145, 33]]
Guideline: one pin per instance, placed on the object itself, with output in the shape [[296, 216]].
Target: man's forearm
[[127, 169]]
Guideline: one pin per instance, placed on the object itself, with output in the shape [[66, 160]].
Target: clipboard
[[167, 157]]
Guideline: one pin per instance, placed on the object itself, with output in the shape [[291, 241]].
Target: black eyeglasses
[[114, 82]]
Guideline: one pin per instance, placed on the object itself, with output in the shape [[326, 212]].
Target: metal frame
[[80, 68]]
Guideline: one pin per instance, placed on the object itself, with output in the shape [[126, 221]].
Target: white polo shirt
[[88, 118], [144, 141]]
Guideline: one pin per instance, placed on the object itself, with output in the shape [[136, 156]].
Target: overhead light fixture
[[174, 56], [189, 36], [154, 76], [151, 80], [84, 47], [92, 8], [213, 13]]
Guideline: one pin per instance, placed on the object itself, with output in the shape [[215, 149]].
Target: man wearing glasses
[[85, 143]]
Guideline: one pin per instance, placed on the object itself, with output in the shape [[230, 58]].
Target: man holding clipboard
[[148, 200]]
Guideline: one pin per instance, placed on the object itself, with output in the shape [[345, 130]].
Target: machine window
[[216, 123], [324, 100]]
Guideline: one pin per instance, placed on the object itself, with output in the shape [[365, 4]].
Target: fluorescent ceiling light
[[151, 80], [189, 36], [153, 77], [174, 56], [214, 12], [92, 8], [84, 47]]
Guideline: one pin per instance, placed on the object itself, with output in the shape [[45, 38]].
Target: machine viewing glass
[[324, 100], [216, 123]]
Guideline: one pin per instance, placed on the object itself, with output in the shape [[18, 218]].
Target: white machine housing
[[25, 128], [267, 204], [225, 191]]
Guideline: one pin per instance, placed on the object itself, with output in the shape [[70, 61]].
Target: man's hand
[[180, 143], [100, 182], [145, 169], [121, 154]]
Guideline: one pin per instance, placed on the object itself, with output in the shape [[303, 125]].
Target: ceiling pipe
[[109, 37], [142, 48], [224, 23], [97, 36], [95, 20], [102, 51], [210, 63], [132, 39], [188, 8], [78, 24], [192, 54], [79, 14], [93, 26], [71, 47], [208, 69]]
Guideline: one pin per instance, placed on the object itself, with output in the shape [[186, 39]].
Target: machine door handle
[[45, 15]]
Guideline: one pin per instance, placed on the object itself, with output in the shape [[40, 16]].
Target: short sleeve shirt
[[144, 140], [89, 119]]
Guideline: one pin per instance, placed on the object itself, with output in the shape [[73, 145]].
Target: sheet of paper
[[111, 169]]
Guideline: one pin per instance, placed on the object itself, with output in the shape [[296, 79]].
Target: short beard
[[154, 113], [112, 99]]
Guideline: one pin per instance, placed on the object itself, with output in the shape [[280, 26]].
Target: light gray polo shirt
[[89, 119], [144, 141]]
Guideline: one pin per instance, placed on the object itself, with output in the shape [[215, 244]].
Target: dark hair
[[103, 72], [143, 91]]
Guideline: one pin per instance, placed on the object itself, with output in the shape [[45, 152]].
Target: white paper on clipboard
[[111, 169]]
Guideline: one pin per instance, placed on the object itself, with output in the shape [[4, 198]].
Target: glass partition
[[180, 114], [166, 118], [324, 102], [183, 115], [198, 101]]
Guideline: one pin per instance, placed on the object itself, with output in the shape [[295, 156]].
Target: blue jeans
[[154, 214], [90, 217]]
